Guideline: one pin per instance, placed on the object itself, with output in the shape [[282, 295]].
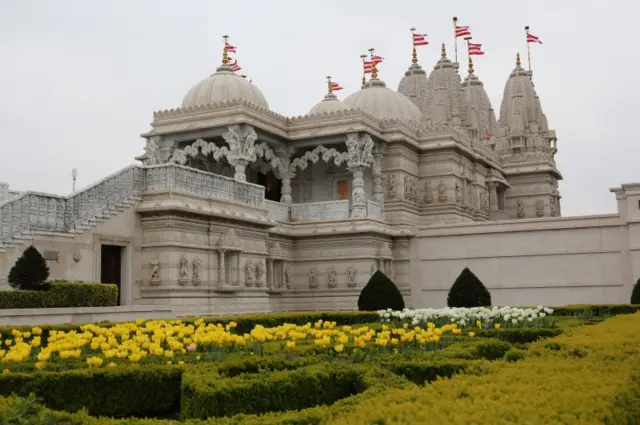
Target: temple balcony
[[319, 211]]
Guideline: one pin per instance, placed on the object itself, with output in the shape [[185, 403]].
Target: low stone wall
[[56, 316]]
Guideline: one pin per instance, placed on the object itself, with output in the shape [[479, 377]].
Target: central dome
[[329, 104], [383, 102], [222, 86]]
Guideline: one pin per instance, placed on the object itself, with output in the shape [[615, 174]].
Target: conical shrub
[[380, 293], [635, 294], [30, 271], [468, 291]]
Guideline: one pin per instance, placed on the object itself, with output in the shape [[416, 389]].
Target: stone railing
[[374, 210], [320, 211], [278, 211], [41, 211], [185, 179]]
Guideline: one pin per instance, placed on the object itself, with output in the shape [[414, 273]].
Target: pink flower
[[191, 347]]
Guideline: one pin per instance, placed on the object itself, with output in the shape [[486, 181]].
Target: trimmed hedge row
[[62, 294], [244, 384], [596, 310]]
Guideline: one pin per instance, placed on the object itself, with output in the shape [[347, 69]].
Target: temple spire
[[443, 51]]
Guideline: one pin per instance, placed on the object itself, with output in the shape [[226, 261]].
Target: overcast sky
[[80, 79]]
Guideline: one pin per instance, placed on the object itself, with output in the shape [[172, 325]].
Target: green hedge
[[125, 391], [596, 310], [62, 294]]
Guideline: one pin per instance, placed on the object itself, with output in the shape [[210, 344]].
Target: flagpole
[[364, 74], [455, 38], [526, 30], [466, 39], [414, 54]]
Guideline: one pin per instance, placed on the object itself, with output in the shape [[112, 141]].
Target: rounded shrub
[[635, 294], [380, 293], [30, 271], [468, 291]]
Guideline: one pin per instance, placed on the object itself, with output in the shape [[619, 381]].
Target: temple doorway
[[272, 186], [111, 267]]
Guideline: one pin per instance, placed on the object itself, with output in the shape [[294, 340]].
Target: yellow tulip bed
[[322, 372]]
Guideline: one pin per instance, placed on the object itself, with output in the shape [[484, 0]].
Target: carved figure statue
[[458, 193], [313, 278], [287, 278], [332, 278], [520, 210], [154, 157], [155, 269], [260, 271], [552, 206], [184, 267], [249, 270], [407, 188], [372, 269], [415, 192], [540, 208], [428, 195], [442, 191], [392, 190], [197, 267], [351, 276]]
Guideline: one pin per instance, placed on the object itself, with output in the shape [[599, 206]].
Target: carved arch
[[319, 152]]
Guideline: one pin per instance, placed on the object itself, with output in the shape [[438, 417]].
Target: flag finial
[[329, 84], [518, 60], [414, 54], [374, 65], [470, 66], [443, 51], [225, 52], [364, 70]]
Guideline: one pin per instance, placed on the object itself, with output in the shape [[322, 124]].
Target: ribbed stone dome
[[480, 113], [330, 103], [383, 102], [222, 86]]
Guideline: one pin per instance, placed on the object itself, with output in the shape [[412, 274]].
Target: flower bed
[[480, 317], [211, 374]]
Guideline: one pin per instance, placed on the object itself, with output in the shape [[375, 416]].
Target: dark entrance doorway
[[272, 186], [111, 267]]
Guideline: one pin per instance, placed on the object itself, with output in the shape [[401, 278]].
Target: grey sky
[[79, 79]]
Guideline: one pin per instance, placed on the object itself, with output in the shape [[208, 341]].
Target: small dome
[[330, 103], [222, 86], [383, 102], [414, 86]]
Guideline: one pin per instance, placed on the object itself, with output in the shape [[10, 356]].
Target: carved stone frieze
[[392, 186], [540, 208], [442, 192]]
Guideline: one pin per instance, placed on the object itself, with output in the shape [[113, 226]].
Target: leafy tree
[[635, 294], [380, 293], [30, 271], [468, 291]]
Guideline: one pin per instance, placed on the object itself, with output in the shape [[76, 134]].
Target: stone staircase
[[34, 213]]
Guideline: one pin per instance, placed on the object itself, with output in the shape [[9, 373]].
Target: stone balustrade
[[374, 210], [279, 211], [41, 211], [319, 211]]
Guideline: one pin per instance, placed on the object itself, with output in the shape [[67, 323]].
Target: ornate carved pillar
[[285, 173], [359, 157], [493, 196], [237, 281], [378, 188], [241, 139], [269, 277], [222, 268]]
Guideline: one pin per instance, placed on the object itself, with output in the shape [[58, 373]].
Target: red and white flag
[[375, 59], [368, 67], [234, 65], [475, 49], [230, 48], [533, 39], [463, 31], [489, 136], [335, 86], [420, 40]]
